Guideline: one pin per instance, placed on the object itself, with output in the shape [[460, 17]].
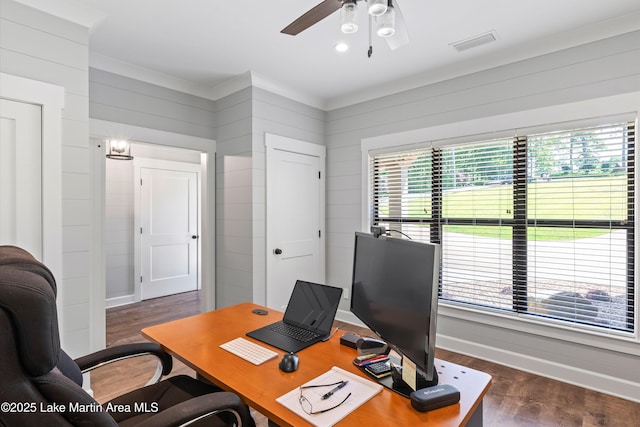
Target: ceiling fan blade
[[313, 16], [400, 37]]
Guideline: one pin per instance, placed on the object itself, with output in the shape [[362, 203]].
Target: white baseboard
[[118, 301], [591, 380], [349, 317]]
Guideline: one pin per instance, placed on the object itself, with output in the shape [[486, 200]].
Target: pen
[[366, 356], [330, 393], [373, 359]]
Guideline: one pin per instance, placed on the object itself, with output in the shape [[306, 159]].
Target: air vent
[[474, 41]]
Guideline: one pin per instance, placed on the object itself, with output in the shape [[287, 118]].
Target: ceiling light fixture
[[376, 7], [349, 17], [384, 19], [341, 47], [381, 10], [386, 23]]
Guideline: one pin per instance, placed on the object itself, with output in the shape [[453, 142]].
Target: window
[[541, 224]]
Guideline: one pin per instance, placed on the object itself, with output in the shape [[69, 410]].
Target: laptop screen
[[313, 306]]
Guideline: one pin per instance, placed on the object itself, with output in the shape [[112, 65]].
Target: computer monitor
[[395, 293]]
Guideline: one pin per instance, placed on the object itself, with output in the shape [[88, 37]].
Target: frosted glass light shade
[[348, 18], [376, 7], [119, 149], [386, 23]]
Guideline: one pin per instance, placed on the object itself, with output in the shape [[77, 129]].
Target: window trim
[[601, 110], [620, 341]]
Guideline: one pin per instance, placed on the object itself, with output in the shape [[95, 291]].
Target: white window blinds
[[541, 224]]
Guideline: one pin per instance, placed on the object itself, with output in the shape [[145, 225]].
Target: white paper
[[361, 390], [409, 373]]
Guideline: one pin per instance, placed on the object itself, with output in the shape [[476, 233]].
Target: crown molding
[[262, 82], [215, 92], [147, 75], [71, 10]]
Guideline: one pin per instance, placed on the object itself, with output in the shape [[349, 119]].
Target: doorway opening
[[152, 224], [160, 146]]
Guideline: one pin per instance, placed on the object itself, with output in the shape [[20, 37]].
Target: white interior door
[[169, 231], [295, 216], [21, 176]]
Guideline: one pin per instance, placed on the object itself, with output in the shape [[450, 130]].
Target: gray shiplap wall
[[243, 119], [41, 47], [280, 116], [120, 99], [118, 229], [234, 196], [606, 67]]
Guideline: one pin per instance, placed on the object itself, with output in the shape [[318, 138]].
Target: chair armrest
[[200, 407], [120, 352]]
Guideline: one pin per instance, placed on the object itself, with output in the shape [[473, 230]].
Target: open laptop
[[307, 320]]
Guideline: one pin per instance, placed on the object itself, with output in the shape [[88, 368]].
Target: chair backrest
[[41, 382]]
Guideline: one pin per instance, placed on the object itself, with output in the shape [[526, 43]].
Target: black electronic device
[[307, 320], [372, 346], [350, 340], [379, 369], [395, 293], [289, 362], [438, 396], [260, 312]]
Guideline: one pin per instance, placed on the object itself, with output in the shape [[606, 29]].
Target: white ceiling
[[206, 43]]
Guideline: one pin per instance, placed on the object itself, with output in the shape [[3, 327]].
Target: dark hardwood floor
[[516, 398]]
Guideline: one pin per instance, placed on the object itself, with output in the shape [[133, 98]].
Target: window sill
[[618, 341]]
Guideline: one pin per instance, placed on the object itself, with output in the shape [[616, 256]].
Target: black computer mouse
[[289, 362]]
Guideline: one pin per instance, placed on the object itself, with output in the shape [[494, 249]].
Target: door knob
[[194, 237], [277, 251]]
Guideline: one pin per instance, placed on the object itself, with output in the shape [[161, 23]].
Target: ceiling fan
[[384, 16]]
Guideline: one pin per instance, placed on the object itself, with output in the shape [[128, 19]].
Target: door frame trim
[[103, 129], [283, 143], [147, 163], [51, 98]]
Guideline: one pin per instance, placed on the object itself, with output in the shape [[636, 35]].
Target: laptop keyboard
[[294, 332]]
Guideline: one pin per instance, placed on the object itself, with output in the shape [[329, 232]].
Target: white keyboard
[[249, 351]]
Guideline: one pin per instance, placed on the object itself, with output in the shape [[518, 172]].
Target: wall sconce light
[[119, 149]]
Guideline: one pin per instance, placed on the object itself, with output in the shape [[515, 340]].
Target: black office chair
[[40, 385]]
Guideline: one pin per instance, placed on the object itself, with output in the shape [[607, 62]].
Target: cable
[[398, 231]]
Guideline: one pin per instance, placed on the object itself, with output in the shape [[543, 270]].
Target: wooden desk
[[195, 341]]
